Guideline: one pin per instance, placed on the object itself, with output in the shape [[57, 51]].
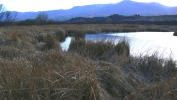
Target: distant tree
[[1, 12], [10, 17], [14, 18], [137, 15], [82, 20], [51, 21], [1, 16], [7, 17], [108, 20], [27, 22], [42, 18]]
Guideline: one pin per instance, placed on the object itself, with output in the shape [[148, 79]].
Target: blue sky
[[42, 5]]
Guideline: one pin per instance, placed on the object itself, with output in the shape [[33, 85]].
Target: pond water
[[66, 43], [141, 43]]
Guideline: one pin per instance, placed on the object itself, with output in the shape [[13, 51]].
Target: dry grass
[[51, 44], [33, 66], [158, 77], [49, 76], [101, 50], [60, 35], [93, 50]]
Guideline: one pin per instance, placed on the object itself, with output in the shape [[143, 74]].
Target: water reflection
[[95, 37], [142, 43], [66, 43]]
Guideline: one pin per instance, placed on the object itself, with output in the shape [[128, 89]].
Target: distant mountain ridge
[[125, 7]]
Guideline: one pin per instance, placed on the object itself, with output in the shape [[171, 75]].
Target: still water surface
[[141, 43]]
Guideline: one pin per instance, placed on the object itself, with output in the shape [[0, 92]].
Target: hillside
[[125, 7], [120, 19]]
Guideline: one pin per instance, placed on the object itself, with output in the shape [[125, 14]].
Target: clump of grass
[[91, 49], [15, 36], [10, 52], [78, 33], [152, 68], [115, 81], [60, 35], [49, 76], [102, 49], [77, 45], [157, 76], [122, 47], [51, 43], [43, 37], [14, 44], [158, 91]]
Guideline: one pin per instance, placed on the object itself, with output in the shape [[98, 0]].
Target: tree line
[[10, 18], [7, 17]]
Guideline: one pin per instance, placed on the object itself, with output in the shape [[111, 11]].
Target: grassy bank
[[80, 30], [33, 66]]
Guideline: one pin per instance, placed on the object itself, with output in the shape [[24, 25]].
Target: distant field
[[95, 28], [33, 65]]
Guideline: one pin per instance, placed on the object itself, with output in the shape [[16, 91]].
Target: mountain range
[[125, 7]]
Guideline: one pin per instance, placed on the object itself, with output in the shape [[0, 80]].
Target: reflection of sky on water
[[103, 36], [140, 42], [65, 44], [163, 43]]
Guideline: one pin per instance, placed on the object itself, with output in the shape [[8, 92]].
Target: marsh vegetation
[[33, 65]]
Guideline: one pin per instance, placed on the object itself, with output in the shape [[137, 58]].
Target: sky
[[43, 5]]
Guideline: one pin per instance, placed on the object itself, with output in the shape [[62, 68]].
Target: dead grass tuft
[[102, 49], [78, 33], [15, 36], [52, 43], [114, 81], [60, 35], [49, 76]]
